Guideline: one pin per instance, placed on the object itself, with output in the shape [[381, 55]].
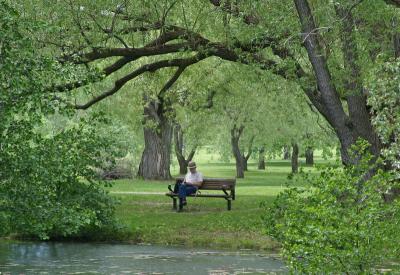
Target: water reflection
[[78, 258]]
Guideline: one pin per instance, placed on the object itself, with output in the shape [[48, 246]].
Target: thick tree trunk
[[347, 127], [235, 137], [295, 158], [309, 156], [286, 152], [155, 162], [261, 158], [179, 150], [356, 98]]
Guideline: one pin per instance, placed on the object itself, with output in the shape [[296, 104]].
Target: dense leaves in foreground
[[47, 184], [384, 100], [339, 223]]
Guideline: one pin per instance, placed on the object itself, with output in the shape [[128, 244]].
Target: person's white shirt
[[193, 177]]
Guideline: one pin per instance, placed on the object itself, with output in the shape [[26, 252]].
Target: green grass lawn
[[149, 217]]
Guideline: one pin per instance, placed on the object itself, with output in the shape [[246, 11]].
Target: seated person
[[190, 184]]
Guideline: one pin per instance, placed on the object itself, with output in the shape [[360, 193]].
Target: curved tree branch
[[185, 62], [131, 52]]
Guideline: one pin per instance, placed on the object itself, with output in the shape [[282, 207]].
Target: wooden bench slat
[[216, 188], [215, 183], [212, 180]]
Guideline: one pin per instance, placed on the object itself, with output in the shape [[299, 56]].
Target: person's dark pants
[[185, 190]]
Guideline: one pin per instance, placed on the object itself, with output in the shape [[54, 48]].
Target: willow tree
[[192, 130], [124, 42], [240, 105], [131, 39], [254, 109]]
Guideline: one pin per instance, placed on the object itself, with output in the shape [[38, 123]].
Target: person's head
[[192, 166]]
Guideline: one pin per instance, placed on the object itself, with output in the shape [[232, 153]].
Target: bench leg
[[174, 204], [229, 205]]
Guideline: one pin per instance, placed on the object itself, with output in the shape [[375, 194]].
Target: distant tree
[[261, 158]]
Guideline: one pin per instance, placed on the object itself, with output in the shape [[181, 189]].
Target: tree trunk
[[347, 127], [244, 163], [309, 156], [249, 152], [396, 42], [155, 162], [360, 118], [179, 150], [286, 152], [295, 158], [261, 158], [235, 137]]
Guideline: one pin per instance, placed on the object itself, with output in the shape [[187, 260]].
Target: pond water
[[85, 258]]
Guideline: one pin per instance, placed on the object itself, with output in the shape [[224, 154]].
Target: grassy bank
[[149, 218]]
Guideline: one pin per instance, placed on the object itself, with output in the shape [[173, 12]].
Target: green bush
[[47, 189], [340, 222], [47, 184]]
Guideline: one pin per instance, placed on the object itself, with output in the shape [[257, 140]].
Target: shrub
[[47, 186], [339, 222]]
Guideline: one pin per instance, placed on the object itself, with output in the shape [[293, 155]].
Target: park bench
[[227, 186]]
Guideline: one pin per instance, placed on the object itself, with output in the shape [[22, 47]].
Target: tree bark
[[347, 127], [235, 137], [286, 152], [179, 150], [155, 162], [261, 158], [309, 156], [245, 164], [396, 42], [356, 99], [249, 152], [295, 158]]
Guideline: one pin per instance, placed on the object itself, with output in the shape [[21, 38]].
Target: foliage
[[385, 102], [338, 223], [47, 184]]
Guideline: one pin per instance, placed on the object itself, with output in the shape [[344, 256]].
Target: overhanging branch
[[182, 62], [132, 52]]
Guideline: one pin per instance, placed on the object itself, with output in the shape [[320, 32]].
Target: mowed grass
[[148, 216]]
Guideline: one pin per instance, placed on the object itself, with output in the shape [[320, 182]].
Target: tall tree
[[357, 123], [159, 39]]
